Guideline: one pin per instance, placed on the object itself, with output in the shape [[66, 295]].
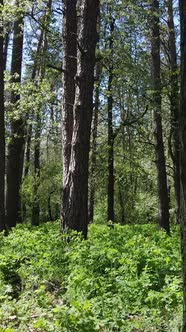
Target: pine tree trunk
[[16, 145], [92, 182], [41, 66], [36, 207], [110, 194], [158, 132], [182, 129], [70, 67], [174, 106], [2, 132], [75, 204]]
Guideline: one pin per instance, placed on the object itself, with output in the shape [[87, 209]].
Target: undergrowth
[[125, 278]]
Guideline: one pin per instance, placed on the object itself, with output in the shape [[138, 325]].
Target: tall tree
[[92, 177], [158, 132], [16, 145], [70, 68], [41, 67], [2, 129], [182, 129], [110, 194], [75, 205], [174, 104]]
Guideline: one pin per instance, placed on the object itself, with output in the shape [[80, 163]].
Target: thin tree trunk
[[110, 193], [16, 145], [92, 182], [2, 132], [29, 127], [41, 69], [70, 68], [174, 106], [5, 49], [121, 202], [158, 134], [28, 148], [36, 207], [182, 129], [75, 206]]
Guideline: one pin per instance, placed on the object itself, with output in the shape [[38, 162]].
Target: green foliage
[[49, 188], [125, 278]]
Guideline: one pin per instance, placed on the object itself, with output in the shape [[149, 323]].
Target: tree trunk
[[92, 182], [158, 134], [75, 204], [110, 193], [36, 207], [41, 67], [70, 67], [35, 71], [183, 152], [2, 132], [5, 49], [16, 145], [174, 106]]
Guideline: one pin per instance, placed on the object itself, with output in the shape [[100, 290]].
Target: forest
[[93, 165]]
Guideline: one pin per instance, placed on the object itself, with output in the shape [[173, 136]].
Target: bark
[[70, 67], [16, 145], [2, 133], [158, 133], [182, 129], [75, 195], [110, 193], [174, 106]]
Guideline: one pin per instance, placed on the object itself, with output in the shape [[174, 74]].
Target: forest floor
[[125, 278]]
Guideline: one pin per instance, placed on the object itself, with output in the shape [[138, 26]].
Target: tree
[[158, 132], [182, 129], [41, 68], [2, 128], [70, 68], [110, 197], [174, 105], [75, 200], [16, 144], [92, 176]]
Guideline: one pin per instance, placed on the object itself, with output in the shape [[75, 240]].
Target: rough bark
[[16, 145], [158, 133], [75, 204], [70, 67], [2, 132], [174, 106], [110, 193], [182, 129]]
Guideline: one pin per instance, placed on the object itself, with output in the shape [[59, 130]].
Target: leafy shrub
[[125, 278]]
